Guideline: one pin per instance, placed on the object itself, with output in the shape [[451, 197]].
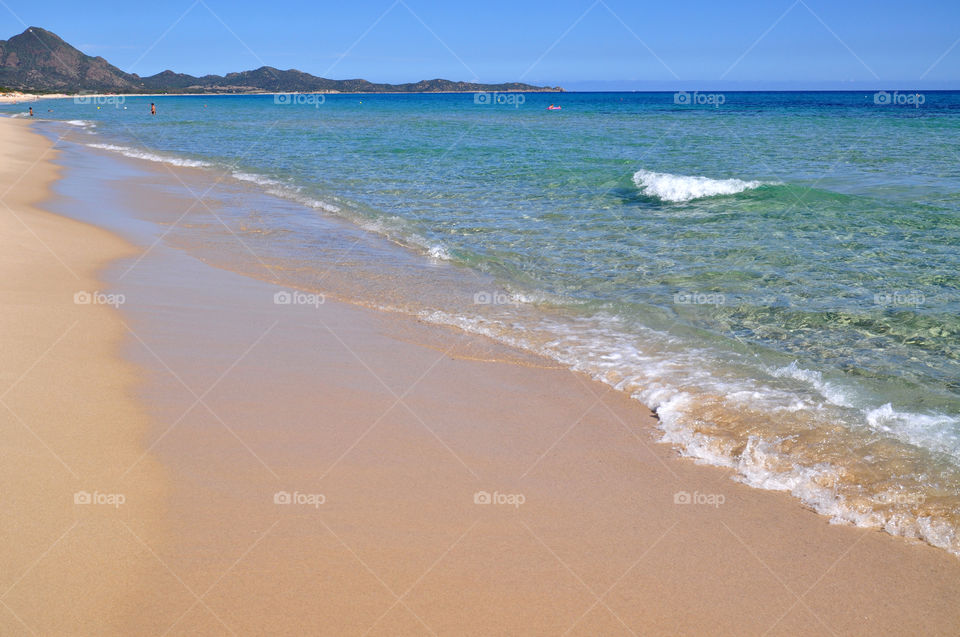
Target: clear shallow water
[[779, 276]]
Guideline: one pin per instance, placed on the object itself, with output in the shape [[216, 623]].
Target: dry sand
[[382, 431], [16, 97], [68, 421]]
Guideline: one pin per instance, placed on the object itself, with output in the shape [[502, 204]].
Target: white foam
[[260, 180], [396, 229], [280, 189], [828, 390], [931, 431], [679, 188], [317, 204], [148, 156], [439, 253], [80, 122]]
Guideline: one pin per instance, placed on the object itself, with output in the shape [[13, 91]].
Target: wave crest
[[679, 188], [133, 153]]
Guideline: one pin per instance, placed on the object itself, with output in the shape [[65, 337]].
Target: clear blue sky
[[615, 44]]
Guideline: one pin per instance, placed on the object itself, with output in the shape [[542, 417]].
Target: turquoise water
[[777, 274]]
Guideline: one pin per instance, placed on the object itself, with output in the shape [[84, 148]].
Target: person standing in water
[[31, 111], [153, 108]]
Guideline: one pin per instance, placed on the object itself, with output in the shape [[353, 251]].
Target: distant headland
[[38, 61]]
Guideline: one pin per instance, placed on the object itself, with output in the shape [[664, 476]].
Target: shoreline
[[694, 441], [400, 424]]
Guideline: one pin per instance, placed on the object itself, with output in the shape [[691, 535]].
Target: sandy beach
[[297, 465], [75, 536], [17, 97]]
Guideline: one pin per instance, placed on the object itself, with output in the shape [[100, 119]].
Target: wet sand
[[326, 469]]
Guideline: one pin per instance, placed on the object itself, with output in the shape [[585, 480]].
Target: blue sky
[[579, 44]]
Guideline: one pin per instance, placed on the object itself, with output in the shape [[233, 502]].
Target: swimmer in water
[[153, 108]]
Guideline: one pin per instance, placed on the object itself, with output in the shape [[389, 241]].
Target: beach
[[791, 319], [74, 558], [19, 98], [264, 458]]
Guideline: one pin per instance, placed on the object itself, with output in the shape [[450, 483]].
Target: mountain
[[39, 61]]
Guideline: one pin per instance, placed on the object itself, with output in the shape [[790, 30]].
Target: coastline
[[74, 557], [33, 97], [374, 411]]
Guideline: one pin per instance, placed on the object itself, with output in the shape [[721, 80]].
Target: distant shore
[[16, 97]]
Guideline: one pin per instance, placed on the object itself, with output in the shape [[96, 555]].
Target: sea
[[777, 275]]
